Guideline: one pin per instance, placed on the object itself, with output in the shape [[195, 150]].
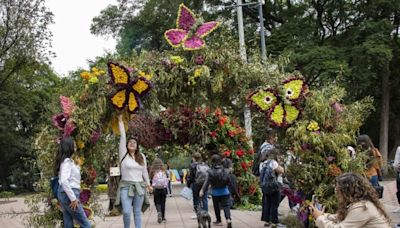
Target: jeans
[[169, 188], [127, 203], [204, 200], [270, 207], [68, 214], [225, 203], [159, 200], [374, 181]]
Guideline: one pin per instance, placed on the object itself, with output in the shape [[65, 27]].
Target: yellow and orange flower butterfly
[[128, 92], [281, 110]]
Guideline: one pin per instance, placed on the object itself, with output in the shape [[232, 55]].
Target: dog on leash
[[203, 218]]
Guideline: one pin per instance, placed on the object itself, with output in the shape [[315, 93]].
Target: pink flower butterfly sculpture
[[190, 31]]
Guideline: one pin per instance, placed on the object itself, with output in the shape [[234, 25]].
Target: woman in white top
[[70, 182], [134, 178]]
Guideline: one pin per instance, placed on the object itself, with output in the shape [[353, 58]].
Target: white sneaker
[[194, 216], [396, 211]]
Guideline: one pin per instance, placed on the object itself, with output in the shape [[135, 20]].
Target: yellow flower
[[198, 72], [86, 75], [177, 59], [143, 74], [80, 144], [93, 80], [313, 126]]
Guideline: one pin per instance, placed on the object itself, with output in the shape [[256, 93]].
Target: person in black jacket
[[219, 179]]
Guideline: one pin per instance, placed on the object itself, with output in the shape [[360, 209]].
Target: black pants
[[270, 204], [225, 203], [159, 200]]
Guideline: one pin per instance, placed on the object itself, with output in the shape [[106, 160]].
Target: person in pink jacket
[[359, 206]]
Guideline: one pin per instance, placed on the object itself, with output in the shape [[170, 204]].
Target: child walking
[[160, 183]]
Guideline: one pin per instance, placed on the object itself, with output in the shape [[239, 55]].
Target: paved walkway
[[179, 212]]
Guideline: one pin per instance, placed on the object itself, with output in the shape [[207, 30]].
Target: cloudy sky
[[72, 41]]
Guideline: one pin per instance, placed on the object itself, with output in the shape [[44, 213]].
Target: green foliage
[[6, 195], [321, 151]]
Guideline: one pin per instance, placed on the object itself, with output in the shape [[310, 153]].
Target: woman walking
[[70, 182], [134, 178], [219, 179], [159, 184], [374, 161]]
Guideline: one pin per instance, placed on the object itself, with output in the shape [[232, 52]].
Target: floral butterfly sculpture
[[128, 92], [189, 31], [281, 110]]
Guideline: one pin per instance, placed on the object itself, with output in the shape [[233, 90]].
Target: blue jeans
[[68, 214], [196, 198], [374, 181], [127, 203]]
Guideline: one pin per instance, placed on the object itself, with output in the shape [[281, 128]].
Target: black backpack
[[219, 177], [269, 180]]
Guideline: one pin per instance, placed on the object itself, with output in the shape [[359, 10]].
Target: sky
[[72, 41]]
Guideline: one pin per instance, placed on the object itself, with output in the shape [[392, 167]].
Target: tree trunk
[[384, 128]]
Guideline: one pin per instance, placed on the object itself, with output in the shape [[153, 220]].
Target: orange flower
[[222, 120]]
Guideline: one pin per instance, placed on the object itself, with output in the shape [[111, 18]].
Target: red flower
[[218, 112], [213, 134], [231, 133], [244, 165], [240, 153], [227, 153], [222, 120], [251, 151]]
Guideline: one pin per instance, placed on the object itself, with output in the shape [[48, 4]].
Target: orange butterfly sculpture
[[128, 91]]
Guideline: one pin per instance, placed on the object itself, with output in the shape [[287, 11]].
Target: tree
[[24, 35]]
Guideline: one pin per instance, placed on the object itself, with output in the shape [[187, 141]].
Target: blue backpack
[[269, 180], [54, 185]]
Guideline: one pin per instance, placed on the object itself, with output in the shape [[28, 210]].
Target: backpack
[[201, 173], [269, 180], [160, 180], [264, 148], [54, 185], [220, 177]]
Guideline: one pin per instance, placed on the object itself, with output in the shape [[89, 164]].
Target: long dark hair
[[352, 188], [65, 150], [138, 156]]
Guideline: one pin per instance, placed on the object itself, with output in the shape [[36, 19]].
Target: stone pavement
[[179, 212]]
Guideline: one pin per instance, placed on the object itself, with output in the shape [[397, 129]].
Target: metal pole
[[262, 31], [243, 55], [242, 45]]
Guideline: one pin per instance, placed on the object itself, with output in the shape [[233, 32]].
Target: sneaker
[[164, 220], [277, 225], [267, 224], [396, 211], [229, 224], [217, 223], [194, 216], [159, 217]]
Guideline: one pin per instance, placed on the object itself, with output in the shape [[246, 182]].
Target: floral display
[[92, 76], [189, 31], [282, 109], [313, 126], [128, 91], [63, 121]]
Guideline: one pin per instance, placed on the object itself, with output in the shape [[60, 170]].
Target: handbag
[[379, 189], [116, 171], [187, 193]]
